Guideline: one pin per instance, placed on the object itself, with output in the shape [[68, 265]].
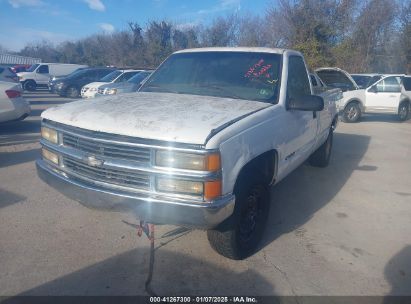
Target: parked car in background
[[7, 74], [406, 86], [71, 85], [12, 105], [53, 79], [20, 68], [38, 74], [384, 96], [117, 76], [131, 85], [365, 80]]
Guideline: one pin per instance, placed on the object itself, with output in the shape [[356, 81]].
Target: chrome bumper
[[157, 210]]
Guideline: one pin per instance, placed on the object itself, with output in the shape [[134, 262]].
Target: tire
[[72, 92], [239, 236], [403, 111], [352, 112], [29, 85], [321, 157]]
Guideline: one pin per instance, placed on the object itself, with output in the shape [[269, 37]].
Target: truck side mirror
[[306, 103]]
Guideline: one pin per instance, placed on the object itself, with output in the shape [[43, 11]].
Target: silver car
[[131, 85]]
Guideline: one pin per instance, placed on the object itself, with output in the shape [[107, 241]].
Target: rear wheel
[[238, 237], [29, 85], [352, 112], [72, 92], [403, 111]]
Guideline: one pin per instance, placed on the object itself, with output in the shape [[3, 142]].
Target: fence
[[15, 59]]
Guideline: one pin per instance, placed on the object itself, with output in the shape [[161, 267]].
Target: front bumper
[[88, 94], [157, 210]]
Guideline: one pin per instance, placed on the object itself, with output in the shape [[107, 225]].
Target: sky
[[24, 21]]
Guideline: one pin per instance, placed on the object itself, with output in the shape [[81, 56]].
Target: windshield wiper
[[159, 88], [221, 89]]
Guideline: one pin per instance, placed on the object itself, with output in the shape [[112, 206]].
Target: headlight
[[181, 160], [59, 85], [49, 135], [53, 157], [111, 91], [179, 186], [208, 190]]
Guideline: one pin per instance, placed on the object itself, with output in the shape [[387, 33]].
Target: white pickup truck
[[198, 145], [384, 96]]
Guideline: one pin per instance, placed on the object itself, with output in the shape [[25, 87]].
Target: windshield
[[243, 75], [32, 68], [139, 77], [111, 76], [77, 73], [362, 81]]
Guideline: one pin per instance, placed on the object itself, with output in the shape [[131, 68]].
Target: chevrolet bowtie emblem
[[93, 161]]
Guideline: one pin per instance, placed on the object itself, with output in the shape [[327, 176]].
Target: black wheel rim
[[251, 214]]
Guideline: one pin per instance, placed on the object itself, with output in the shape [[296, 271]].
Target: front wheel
[[321, 157], [29, 85], [238, 237], [72, 92], [403, 111], [352, 112]]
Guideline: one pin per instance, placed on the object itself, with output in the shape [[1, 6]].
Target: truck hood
[[337, 78], [161, 116], [120, 85]]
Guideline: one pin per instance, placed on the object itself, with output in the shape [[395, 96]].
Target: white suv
[[384, 96], [90, 90]]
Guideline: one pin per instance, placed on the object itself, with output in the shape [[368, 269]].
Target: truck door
[[42, 74], [301, 126], [384, 95]]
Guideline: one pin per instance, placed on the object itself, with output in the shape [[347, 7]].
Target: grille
[[136, 180], [118, 151], [101, 91]]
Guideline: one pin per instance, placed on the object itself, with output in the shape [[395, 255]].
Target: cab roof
[[235, 49]]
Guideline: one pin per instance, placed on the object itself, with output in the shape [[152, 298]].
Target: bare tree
[[311, 26], [223, 31], [373, 28], [159, 43]]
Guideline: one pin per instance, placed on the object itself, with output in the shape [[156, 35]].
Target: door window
[[297, 84], [389, 85], [406, 81], [43, 69]]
